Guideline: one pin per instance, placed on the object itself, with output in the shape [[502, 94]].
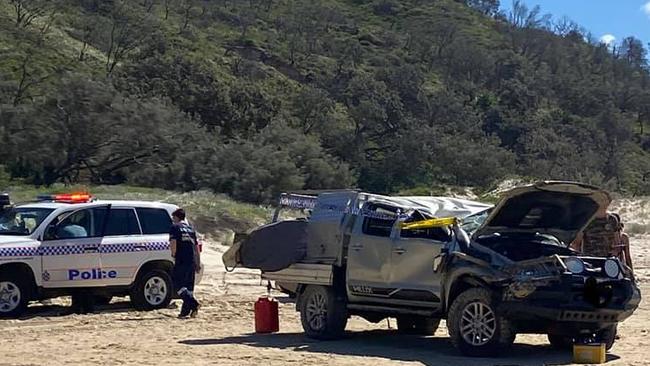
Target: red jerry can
[[266, 315]]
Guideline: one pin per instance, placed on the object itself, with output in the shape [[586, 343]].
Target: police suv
[[61, 243]]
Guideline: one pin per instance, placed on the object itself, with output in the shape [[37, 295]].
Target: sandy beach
[[223, 333]]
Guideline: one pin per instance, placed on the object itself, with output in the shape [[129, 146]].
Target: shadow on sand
[[60, 310], [387, 344]]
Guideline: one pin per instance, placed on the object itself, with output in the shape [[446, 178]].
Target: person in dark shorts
[[184, 248], [600, 237]]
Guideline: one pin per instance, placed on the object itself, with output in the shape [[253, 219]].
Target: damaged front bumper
[[542, 296]]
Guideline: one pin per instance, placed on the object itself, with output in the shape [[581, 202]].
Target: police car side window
[[122, 221], [81, 224], [154, 220]]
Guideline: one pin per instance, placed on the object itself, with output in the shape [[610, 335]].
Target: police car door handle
[[399, 251], [140, 247], [91, 249], [356, 247]]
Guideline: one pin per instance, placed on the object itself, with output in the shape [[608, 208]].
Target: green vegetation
[[210, 212], [250, 98]]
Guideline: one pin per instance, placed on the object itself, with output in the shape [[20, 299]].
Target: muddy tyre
[[323, 313], [475, 326], [560, 342], [608, 336], [14, 295], [417, 325], [152, 290]]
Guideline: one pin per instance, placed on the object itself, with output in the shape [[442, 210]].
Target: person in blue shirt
[[184, 248]]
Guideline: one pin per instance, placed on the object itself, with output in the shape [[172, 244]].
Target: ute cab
[[58, 243]]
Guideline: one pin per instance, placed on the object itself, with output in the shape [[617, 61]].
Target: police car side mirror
[[50, 233]]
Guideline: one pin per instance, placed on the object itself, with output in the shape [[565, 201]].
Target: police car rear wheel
[[152, 290], [13, 302]]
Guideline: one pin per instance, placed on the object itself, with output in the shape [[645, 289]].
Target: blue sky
[[603, 18]]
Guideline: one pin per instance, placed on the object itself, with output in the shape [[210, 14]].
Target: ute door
[[412, 266], [70, 248], [369, 253], [122, 248]]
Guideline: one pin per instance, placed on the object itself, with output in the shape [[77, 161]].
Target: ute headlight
[[574, 265], [611, 268]]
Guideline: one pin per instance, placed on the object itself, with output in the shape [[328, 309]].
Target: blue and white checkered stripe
[[134, 247], [19, 252], [161, 245], [79, 249], [62, 250]]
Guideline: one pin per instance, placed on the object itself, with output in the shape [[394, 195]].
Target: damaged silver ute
[[411, 258], [521, 270]]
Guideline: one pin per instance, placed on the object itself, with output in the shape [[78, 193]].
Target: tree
[[29, 77], [376, 112], [487, 7], [633, 51], [26, 11], [312, 108], [191, 86], [523, 17], [68, 139], [124, 32]]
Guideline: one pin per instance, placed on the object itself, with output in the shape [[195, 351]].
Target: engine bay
[[524, 246]]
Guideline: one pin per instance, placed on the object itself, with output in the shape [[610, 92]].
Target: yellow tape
[[430, 223]]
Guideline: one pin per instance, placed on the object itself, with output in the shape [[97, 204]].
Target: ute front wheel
[[475, 326]]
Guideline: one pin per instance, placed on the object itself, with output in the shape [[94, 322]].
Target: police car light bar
[[67, 197]]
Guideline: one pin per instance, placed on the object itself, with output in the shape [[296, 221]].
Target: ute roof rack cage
[[302, 200]]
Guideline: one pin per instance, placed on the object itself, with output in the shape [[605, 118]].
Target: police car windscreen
[[22, 221]]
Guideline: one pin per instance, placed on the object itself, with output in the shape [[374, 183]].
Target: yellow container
[[593, 353]]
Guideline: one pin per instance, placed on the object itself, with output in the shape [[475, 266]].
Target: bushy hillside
[[253, 97], [213, 214]]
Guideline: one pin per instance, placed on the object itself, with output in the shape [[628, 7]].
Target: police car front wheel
[[152, 290], [13, 299]]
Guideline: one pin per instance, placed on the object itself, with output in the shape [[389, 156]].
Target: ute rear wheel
[[13, 295], [475, 325], [417, 325], [323, 313], [152, 290]]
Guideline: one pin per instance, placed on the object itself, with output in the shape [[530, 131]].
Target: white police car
[[59, 243]]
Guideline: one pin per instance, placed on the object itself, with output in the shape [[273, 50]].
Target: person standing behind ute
[[600, 237], [622, 249], [184, 248]]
